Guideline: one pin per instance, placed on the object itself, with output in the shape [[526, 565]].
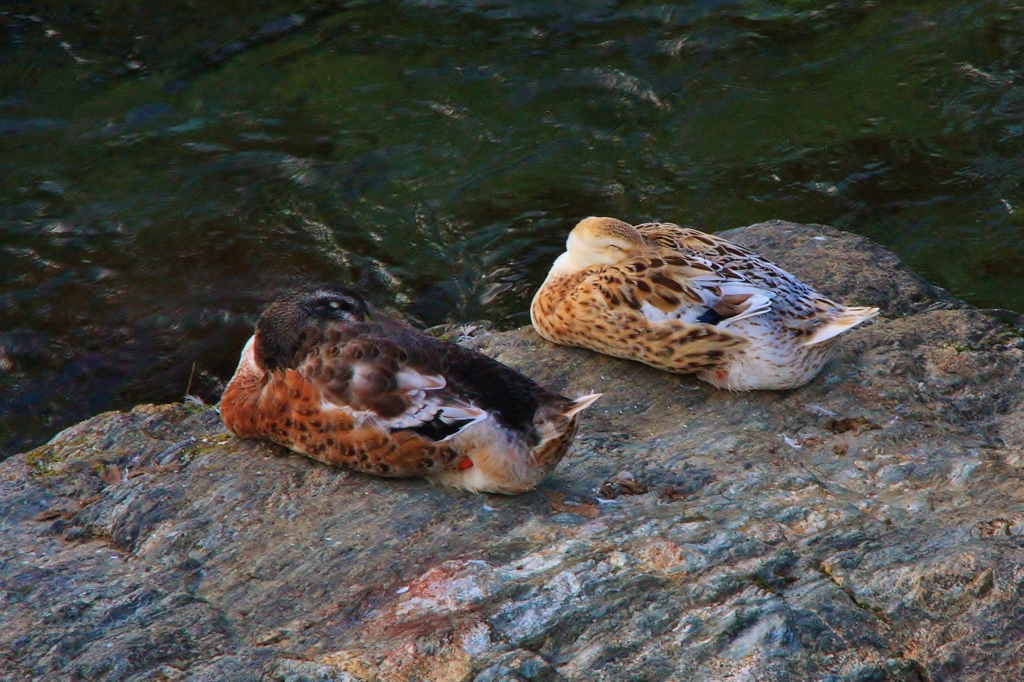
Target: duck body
[[380, 397], [684, 301]]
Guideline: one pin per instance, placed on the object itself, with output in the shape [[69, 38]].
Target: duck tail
[[556, 418], [847, 318], [557, 430], [581, 404], [559, 416]]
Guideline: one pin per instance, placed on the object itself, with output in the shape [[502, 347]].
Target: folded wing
[[374, 379], [680, 287]]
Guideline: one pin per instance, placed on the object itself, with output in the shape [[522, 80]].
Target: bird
[[325, 378], [681, 300]]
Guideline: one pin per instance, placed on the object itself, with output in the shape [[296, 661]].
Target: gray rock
[[868, 526]]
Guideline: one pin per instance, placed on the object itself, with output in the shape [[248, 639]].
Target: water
[[167, 168]]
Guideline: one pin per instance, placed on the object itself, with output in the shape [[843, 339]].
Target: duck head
[[601, 241], [289, 322]]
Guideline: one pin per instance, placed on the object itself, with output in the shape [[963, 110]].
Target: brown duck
[[323, 378], [684, 301]]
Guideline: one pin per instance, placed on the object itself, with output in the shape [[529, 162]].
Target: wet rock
[[868, 526]]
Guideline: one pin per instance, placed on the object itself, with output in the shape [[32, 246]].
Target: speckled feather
[[382, 398], [684, 301]]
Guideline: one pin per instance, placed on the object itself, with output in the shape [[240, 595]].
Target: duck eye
[[335, 304]]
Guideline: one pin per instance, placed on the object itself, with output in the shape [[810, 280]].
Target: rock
[[867, 526]]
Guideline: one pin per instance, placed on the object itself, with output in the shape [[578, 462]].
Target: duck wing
[[800, 309], [743, 264], [375, 378], [669, 285], [514, 400], [793, 296]]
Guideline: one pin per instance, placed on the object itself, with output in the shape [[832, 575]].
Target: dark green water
[[165, 168]]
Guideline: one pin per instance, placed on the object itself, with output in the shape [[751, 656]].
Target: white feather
[[457, 412], [655, 315], [759, 303], [249, 356], [411, 379]]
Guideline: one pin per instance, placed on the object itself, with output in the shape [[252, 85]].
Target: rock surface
[[868, 526]]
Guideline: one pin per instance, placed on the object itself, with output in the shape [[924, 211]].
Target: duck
[[325, 378], [684, 301]]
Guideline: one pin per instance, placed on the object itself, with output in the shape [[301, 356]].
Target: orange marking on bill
[[464, 464]]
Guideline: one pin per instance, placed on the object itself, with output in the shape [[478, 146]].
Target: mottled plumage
[[321, 378], [684, 301]]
